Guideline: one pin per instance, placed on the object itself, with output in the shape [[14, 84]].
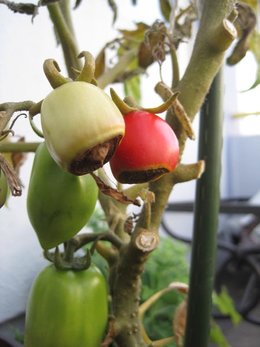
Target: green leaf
[[225, 304], [254, 46], [217, 337], [113, 7], [132, 88], [100, 63], [257, 81], [77, 3], [134, 35], [166, 264], [165, 8]]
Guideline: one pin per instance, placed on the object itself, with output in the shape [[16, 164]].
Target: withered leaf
[[18, 158], [13, 180], [114, 193], [100, 63], [245, 24]]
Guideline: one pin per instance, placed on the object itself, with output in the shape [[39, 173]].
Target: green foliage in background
[[167, 264]]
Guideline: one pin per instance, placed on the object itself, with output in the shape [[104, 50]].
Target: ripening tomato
[[67, 309], [148, 150], [81, 125]]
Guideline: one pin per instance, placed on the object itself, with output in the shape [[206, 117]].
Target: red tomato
[[148, 150]]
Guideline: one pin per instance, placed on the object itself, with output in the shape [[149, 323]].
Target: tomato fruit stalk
[[148, 150], [59, 204], [67, 309]]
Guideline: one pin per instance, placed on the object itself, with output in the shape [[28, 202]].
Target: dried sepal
[[52, 72], [179, 323], [13, 180], [87, 74]]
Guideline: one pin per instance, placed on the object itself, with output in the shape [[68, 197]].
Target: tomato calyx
[[56, 79], [125, 108], [67, 260]]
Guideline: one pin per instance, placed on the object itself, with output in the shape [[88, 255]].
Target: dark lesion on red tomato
[[142, 176], [94, 158]]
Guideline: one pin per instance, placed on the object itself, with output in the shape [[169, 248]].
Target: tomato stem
[[83, 239], [63, 26], [18, 147]]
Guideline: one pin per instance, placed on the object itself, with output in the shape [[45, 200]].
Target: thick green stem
[[12, 107], [206, 219], [112, 74], [66, 37], [213, 38], [126, 297]]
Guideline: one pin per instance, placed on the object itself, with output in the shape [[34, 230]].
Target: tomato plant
[[59, 204], [84, 129], [148, 150], [67, 309]]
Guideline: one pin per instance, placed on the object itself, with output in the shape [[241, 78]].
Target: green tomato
[[59, 204], [67, 309]]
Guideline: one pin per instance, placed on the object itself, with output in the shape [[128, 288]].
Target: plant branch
[[126, 287], [112, 74], [245, 114], [188, 172], [177, 110], [18, 147], [11, 107], [203, 66], [23, 8], [207, 55], [66, 37], [83, 239]]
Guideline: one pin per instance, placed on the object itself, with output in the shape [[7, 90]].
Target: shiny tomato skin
[[67, 309], [76, 117], [59, 204], [149, 144]]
